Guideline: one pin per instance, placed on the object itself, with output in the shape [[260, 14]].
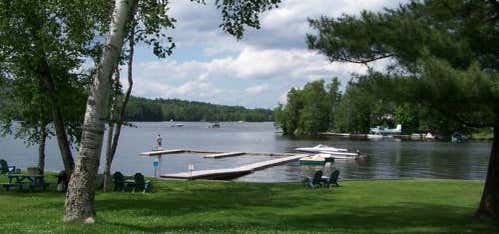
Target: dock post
[[159, 165]]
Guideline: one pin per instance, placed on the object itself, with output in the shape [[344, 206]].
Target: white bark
[[79, 204]]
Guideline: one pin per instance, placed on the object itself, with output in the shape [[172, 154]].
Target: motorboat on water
[[342, 155], [378, 136], [319, 148], [317, 159], [336, 153], [177, 125], [215, 125]]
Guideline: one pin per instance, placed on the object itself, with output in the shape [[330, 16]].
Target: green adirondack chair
[[5, 168], [333, 179], [315, 181], [141, 184], [118, 180]]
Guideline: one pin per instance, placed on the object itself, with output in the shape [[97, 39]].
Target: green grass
[[382, 206]]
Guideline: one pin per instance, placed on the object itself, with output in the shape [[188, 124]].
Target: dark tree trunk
[[107, 166], [489, 204], [47, 80], [41, 148], [60, 130]]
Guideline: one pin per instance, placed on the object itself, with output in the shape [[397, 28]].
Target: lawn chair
[[315, 181], [333, 179], [62, 181], [119, 181], [140, 184], [5, 168]]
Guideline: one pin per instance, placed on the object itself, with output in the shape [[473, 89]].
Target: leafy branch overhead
[[443, 53]]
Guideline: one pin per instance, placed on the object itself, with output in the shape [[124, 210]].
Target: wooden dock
[[224, 155], [161, 152], [212, 153], [230, 173]]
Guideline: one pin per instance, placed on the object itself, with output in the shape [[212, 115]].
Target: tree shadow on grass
[[237, 208], [179, 203], [401, 218]]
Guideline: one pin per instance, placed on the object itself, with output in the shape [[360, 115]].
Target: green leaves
[[236, 14], [308, 110], [445, 52]]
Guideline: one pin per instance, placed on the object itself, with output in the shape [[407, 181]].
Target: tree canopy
[[441, 54], [308, 111]]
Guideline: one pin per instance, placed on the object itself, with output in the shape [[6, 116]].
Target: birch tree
[[148, 26], [79, 204]]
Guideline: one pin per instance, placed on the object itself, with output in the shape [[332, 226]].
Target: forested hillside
[[143, 109]]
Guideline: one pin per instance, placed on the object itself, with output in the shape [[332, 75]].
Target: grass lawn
[[383, 206]]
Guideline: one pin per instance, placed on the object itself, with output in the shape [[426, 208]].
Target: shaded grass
[[394, 206]]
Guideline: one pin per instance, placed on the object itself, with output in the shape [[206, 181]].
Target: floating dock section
[[161, 152], [224, 155], [211, 153], [230, 173]]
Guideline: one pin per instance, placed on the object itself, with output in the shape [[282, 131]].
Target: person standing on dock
[[159, 140]]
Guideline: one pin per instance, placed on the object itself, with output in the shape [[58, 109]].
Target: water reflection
[[387, 158]]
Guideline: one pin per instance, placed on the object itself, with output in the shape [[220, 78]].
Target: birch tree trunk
[[79, 204], [113, 142]]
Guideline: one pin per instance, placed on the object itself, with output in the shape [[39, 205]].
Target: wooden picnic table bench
[[21, 180]]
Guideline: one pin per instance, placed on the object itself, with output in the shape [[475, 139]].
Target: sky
[[257, 71]]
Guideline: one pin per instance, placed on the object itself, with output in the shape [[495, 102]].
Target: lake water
[[387, 158]]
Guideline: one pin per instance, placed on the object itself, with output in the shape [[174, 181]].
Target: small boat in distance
[[386, 131], [215, 125], [176, 125], [319, 148]]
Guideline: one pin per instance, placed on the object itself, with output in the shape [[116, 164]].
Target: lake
[[388, 159]]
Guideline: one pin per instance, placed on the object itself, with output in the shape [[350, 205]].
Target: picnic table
[[19, 180]]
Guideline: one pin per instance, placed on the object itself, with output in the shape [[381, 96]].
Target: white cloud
[[268, 73], [257, 89], [209, 65]]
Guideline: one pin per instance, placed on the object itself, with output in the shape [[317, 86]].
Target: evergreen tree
[[444, 55]]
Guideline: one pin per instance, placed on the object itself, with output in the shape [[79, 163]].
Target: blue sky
[[257, 71]]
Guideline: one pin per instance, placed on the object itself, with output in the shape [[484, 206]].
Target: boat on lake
[[317, 159], [375, 136], [342, 155], [319, 148], [215, 125], [386, 131], [176, 125]]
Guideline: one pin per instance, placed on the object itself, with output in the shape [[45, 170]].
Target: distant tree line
[[143, 109], [320, 107]]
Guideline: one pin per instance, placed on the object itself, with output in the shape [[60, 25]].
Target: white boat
[[374, 136], [215, 125], [382, 130], [342, 155], [318, 159], [378, 136], [339, 157], [320, 148], [177, 125], [429, 136], [346, 154]]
